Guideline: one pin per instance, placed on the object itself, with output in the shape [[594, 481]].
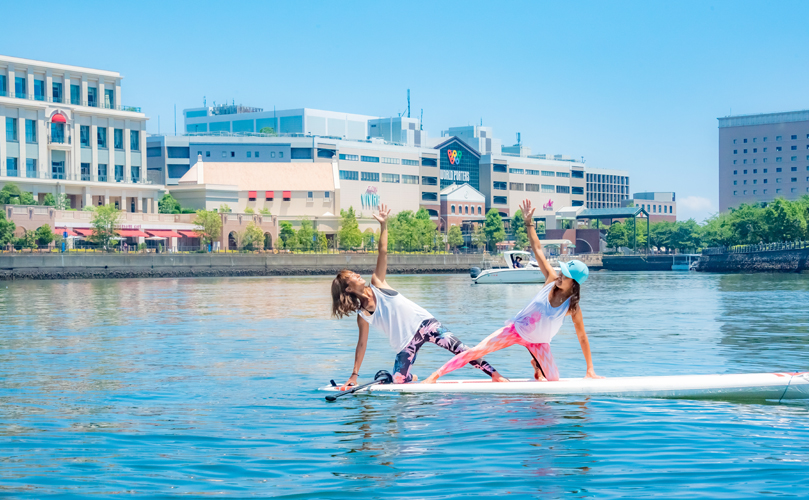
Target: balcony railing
[[73, 177], [65, 100]]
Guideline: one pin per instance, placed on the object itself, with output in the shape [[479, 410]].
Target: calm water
[[207, 387]]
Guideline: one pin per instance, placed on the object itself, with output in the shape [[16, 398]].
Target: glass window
[[532, 187], [577, 190], [119, 173], [429, 181], [410, 162], [30, 167], [102, 172], [410, 179], [369, 176], [56, 90], [57, 169], [516, 186], [562, 174], [778, 148], [135, 174], [75, 94], [31, 131], [20, 87], [548, 188], [92, 96], [58, 133], [85, 172], [563, 189], [577, 174], [134, 140], [350, 157], [394, 178], [429, 162], [429, 196], [500, 200], [479, 210], [178, 152], [39, 90], [349, 175], [392, 161], [500, 186], [371, 159], [11, 130], [11, 167], [109, 98], [532, 172], [249, 154], [153, 152], [280, 154], [452, 209], [327, 194], [118, 138], [794, 137], [778, 137], [310, 195], [84, 133], [101, 136], [207, 154], [516, 171], [3, 88], [256, 154], [500, 168], [233, 154], [548, 173]]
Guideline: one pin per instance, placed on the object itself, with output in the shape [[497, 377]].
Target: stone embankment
[[783, 261], [80, 266]]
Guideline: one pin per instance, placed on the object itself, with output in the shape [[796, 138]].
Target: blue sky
[[627, 85]]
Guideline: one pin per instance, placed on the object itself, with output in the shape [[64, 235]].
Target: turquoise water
[[207, 387]]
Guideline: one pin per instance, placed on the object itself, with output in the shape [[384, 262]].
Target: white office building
[[64, 130]]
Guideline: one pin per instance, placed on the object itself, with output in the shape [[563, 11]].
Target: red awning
[[287, 194], [61, 231], [268, 195], [163, 233], [132, 233], [58, 118], [84, 231], [251, 194], [189, 234]]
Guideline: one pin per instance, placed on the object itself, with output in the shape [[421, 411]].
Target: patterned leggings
[[431, 331], [501, 339]]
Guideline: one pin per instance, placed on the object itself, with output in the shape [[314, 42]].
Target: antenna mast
[[408, 103]]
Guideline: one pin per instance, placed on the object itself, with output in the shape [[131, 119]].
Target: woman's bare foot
[[496, 377], [415, 377], [537, 372], [431, 379]]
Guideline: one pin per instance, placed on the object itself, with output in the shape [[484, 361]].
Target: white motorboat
[[515, 266]]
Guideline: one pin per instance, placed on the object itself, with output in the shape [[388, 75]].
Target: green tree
[[494, 229], [747, 225], [224, 208], [519, 230], [686, 236], [716, 231], [49, 200], [7, 229], [254, 237], [349, 234], [208, 225], [660, 234], [617, 236], [305, 234], [10, 194], [784, 221], [264, 211], [479, 236], [44, 235], [287, 234], [105, 218], [369, 239], [168, 205], [249, 210], [27, 198], [267, 130], [454, 237], [62, 202], [638, 239], [27, 240], [322, 241], [426, 230]]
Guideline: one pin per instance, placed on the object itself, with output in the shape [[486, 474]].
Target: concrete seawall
[[67, 266], [780, 261]]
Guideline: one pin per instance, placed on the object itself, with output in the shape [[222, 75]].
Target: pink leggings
[[501, 339]]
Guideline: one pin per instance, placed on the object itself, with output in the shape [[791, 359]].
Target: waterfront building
[[462, 206], [606, 188], [763, 157], [661, 206], [64, 130]]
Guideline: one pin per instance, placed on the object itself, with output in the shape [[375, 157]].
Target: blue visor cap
[[576, 270]]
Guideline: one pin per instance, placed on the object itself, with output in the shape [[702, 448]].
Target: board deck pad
[[750, 386]]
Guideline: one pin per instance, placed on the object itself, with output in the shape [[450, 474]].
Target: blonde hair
[[343, 302]]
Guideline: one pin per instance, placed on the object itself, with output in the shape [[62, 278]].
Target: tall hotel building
[[64, 130], [763, 157]]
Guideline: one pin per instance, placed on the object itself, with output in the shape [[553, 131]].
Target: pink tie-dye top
[[539, 322]]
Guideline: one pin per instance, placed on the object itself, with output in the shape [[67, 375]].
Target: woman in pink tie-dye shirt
[[540, 320]]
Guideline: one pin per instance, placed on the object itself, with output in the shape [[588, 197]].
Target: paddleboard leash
[[381, 377]]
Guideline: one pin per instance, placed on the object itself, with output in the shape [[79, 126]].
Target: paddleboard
[[751, 386]]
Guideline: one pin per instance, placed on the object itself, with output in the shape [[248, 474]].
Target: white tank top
[[539, 322], [397, 316]]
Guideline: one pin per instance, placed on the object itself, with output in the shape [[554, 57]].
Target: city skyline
[[637, 88]]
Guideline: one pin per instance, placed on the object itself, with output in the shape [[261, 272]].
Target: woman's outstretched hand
[[527, 212], [383, 214]]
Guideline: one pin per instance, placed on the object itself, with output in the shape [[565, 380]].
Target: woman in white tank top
[[407, 325], [540, 320]]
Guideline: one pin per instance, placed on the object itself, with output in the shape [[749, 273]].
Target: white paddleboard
[[752, 386]]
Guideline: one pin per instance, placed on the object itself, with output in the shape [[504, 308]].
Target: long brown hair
[[343, 302], [574, 297]]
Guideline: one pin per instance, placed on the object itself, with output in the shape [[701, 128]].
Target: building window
[[765, 181], [577, 190], [548, 173], [30, 167], [31, 131], [778, 148], [429, 162], [410, 179], [11, 167], [794, 158], [394, 178], [794, 169], [516, 171], [135, 174], [745, 151], [327, 195], [350, 157], [577, 174], [745, 191], [101, 137], [85, 172], [794, 137], [516, 186], [777, 191], [778, 180], [310, 195], [499, 168], [500, 186], [452, 209], [563, 189], [75, 94], [500, 200], [479, 210], [349, 175], [392, 161], [532, 187], [410, 162], [256, 154], [744, 161], [734, 162], [248, 154], [744, 182], [102, 172], [11, 130], [548, 188], [272, 154], [794, 179], [755, 181], [224, 154], [118, 138], [734, 141], [369, 176], [777, 137], [280, 154], [370, 159], [153, 152], [735, 193], [92, 96], [735, 151], [429, 196], [84, 136], [207, 154], [233, 154], [793, 148], [20, 89], [778, 169], [119, 173], [755, 150], [778, 160], [429, 181], [562, 174], [531, 172]]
